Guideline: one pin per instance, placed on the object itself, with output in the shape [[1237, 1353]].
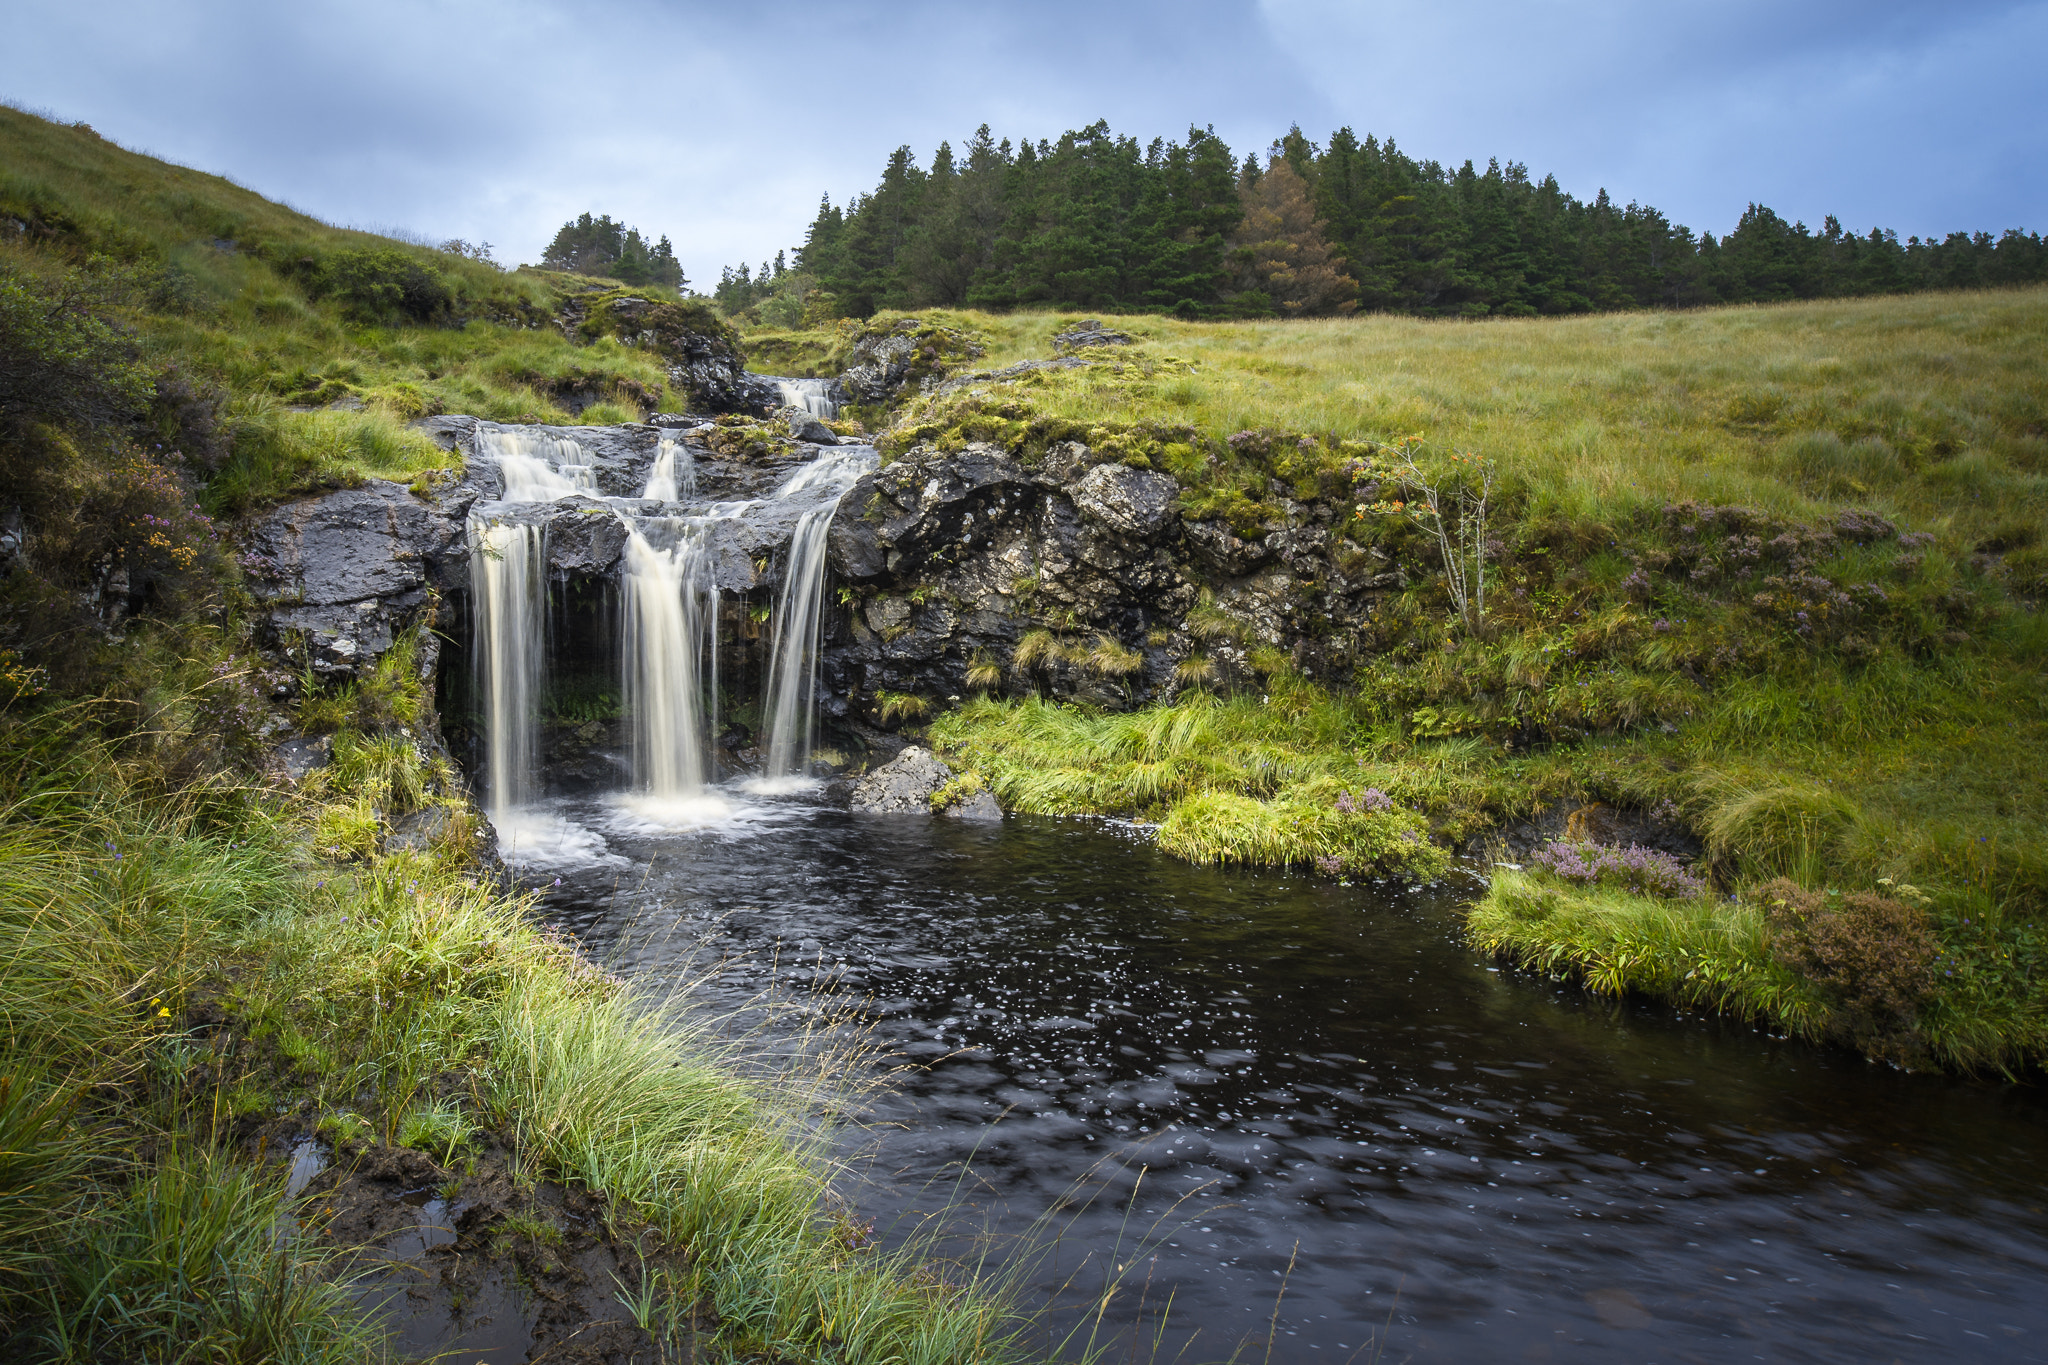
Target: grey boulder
[[902, 786], [805, 427], [980, 807]]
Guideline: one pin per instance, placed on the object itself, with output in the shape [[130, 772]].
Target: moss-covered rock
[[892, 355], [701, 349]]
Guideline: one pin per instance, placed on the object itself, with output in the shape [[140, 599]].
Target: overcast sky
[[721, 125]]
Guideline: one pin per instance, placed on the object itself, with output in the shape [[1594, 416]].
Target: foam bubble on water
[[640, 812], [534, 838], [788, 785]]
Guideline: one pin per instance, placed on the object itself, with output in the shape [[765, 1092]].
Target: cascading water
[[790, 708], [670, 656], [668, 662], [508, 568], [674, 474], [812, 395], [505, 566], [537, 466]]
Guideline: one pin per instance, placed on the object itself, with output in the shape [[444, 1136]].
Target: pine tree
[[1281, 253], [664, 267], [601, 247], [1094, 220], [585, 245]]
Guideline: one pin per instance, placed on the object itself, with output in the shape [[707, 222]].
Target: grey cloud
[[720, 126]]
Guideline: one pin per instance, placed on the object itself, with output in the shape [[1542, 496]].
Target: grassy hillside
[[263, 310], [1770, 571], [1929, 407]]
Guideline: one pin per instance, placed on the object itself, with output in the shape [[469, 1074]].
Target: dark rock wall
[[940, 562], [952, 558]]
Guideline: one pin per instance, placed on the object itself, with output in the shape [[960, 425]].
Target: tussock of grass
[[277, 453], [1698, 952], [1239, 780], [187, 1265], [355, 994], [605, 1091]]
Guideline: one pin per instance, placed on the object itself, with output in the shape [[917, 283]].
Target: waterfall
[[671, 631], [508, 565], [674, 475], [790, 709], [668, 573], [790, 706], [812, 395], [537, 466], [505, 567]]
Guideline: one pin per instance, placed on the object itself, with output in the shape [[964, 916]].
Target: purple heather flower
[[1645, 871]]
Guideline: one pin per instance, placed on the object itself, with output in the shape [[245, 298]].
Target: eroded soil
[[470, 1265]]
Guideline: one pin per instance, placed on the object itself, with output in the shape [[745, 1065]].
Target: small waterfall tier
[[681, 536], [818, 397], [790, 707]]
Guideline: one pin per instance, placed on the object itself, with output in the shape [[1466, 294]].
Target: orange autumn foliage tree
[[1280, 250]]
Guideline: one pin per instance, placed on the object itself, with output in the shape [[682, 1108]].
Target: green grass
[[1932, 408], [243, 295], [1873, 712], [1702, 953], [388, 997], [1247, 779]]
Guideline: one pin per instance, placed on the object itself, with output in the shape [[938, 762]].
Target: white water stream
[[537, 466], [790, 709], [506, 562], [814, 396], [674, 475], [670, 655]]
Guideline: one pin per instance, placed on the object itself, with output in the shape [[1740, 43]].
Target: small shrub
[[957, 790], [378, 284], [1209, 622], [1873, 955], [346, 832], [1786, 828], [894, 706], [1109, 659], [436, 1127], [1038, 649]]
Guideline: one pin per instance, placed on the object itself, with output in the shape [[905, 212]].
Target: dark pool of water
[[1330, 1095]]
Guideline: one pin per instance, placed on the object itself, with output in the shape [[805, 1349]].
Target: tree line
[[1098, 221]]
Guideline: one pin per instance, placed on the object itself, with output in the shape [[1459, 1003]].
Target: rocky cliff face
[[341, 575], [1075, 576]]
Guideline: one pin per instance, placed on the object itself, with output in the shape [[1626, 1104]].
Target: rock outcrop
[[1073, 575], [953, 559], [1089, 332], [904, 785], [700, 349], [909, 351], [349, 571]]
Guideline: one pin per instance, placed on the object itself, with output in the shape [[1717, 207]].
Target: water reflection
[[1239, 1082]]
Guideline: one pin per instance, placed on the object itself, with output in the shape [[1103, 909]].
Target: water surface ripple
[[1235, 1082]]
